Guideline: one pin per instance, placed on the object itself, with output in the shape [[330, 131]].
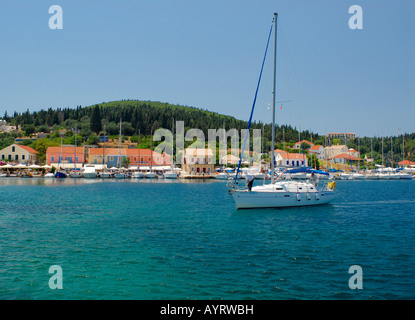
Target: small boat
[[384, 176], [394, 176], [222, 176], [170, 174], [358, 176], [105, 175], [372, 176], [150, 175], [405, 176], [60, 174], [49, 175], [121, 175], [75, 174], [137, 175], [89, 172]]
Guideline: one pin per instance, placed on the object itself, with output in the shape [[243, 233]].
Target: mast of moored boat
[[273, 99], [76, 132], [119, 148]]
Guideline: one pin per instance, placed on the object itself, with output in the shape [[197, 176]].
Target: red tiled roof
[[346, 156], [406, 162], [287, 155], [28, 149], [65, 149], [315, 147], [305, 141]]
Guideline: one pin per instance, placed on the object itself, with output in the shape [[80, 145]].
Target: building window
[[77, 159], [22, 156], [10, 157], [2, 156], [16, 157], [13, 149], [52, 159]]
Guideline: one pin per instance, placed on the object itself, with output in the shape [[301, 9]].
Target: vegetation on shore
[[141, 118]]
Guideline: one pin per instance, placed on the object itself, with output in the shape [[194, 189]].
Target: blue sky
[[208, 54]]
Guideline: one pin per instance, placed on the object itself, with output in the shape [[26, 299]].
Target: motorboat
[[358, 176], [105, 175], [75, 174], [137, 175], [170, 174], [221, 176], [150, 175], [89, 172]]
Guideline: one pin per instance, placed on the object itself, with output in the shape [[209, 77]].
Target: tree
[[95, 124]]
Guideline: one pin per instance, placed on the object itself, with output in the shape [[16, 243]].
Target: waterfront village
[[113, 157]]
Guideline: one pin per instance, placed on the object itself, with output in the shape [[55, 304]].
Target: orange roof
[[279, 151], [287, 155], [305, 141], [28, 149], [315, 147], [65, 149], [346, 156], [407, 162]]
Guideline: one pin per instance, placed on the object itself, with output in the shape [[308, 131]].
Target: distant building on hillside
[[335, 150], [298, 144], [318, 151]]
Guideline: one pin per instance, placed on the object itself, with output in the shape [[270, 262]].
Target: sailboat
[[279, 193], [120, 174], [75, 173], [151, 174], [138, 174], [171, 174], [60, 173], [404, 174], [382, 175], [104, 174]]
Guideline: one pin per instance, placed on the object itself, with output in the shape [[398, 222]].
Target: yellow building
[[19, 153]]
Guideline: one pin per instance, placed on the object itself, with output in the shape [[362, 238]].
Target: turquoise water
[[185, 240]]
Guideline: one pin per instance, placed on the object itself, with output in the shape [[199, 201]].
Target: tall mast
[[76, 129], [119, 150], [403, 150], [273, 98], [139, 159], [103, 151]]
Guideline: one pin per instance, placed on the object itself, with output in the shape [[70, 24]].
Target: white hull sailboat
[[279, 194], [282, 194]]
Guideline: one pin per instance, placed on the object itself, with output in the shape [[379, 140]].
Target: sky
[[208, 54]]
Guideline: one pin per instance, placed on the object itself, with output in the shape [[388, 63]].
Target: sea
[[73, 239]]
